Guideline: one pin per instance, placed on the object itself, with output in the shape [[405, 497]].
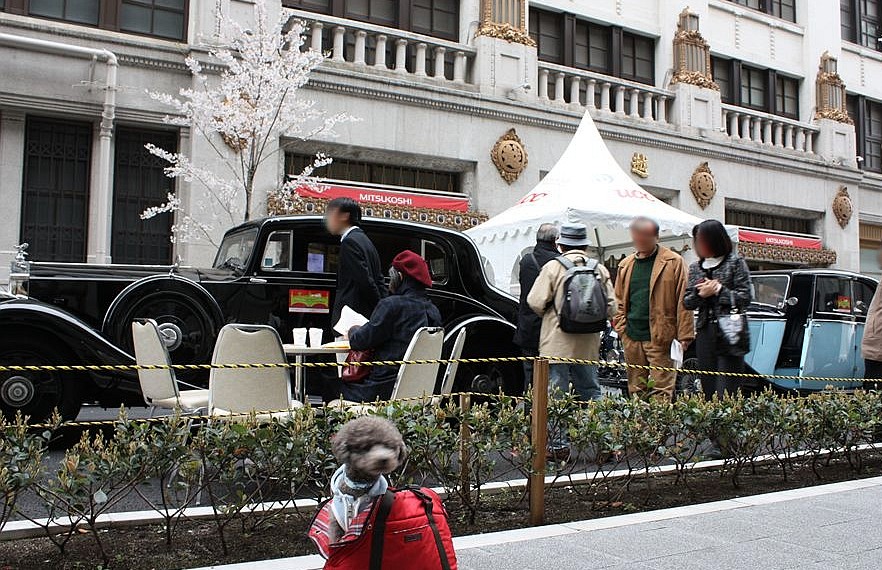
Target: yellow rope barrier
[[440, 361]]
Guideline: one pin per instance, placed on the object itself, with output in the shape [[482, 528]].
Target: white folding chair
[[241, 391], [414, 380], [418, 380], [453, 365], [160, 386]]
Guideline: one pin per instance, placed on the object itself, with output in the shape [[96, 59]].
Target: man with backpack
[[575, 298]]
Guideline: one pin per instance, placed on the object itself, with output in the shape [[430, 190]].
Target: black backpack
[[584, 307]]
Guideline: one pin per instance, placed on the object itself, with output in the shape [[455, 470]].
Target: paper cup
[[300, 338], [315, 337]]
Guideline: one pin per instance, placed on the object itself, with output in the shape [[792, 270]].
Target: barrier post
[[539, 437], [465, 438]]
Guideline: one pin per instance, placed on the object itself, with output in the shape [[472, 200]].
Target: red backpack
[[406, 528]]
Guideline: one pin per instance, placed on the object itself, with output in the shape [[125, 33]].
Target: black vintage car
[[277, 271]]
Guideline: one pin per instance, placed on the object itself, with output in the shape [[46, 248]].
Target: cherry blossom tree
[[241, 113]]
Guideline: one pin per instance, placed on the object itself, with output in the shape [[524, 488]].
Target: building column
[[12, 141]]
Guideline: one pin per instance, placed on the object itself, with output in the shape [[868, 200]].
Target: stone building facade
[[763, 113]]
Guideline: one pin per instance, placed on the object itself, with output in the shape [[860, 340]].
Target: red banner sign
[[769, 238], [376, 197]]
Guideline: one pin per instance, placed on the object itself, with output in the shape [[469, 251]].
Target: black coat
[[529, 323], [734, 276], [388, 334], [359, 275]]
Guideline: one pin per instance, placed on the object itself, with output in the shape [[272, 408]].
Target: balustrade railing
[[742, 124], [378, 47], [586, 89]]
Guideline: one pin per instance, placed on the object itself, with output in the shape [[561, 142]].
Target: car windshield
[[770, 289], [235, 250]]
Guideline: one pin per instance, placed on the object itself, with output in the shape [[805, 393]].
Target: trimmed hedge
[[229, 466]]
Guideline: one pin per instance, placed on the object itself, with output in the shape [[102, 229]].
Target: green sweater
[[638, 299]]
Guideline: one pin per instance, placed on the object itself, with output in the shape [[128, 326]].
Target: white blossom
[[242, 113]]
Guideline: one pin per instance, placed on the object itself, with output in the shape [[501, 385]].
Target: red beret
[[412, 265]]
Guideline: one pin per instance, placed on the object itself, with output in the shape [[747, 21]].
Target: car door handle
[[257, 280], [816, 325]]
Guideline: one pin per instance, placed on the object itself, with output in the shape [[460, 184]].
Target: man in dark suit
[[359, 276]]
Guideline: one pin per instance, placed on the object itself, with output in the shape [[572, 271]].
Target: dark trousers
[[528, 367], [872, 371], [712, 358]]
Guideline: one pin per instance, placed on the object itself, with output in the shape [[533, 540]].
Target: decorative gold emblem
[[640, 164], [843, 208], [509, 156], [703, 185]]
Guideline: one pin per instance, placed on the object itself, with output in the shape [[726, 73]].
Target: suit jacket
[[359, 276]]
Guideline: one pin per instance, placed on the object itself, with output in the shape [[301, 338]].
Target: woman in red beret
[[392, 326]]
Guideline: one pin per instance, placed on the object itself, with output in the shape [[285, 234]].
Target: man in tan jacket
[[871, 345], [546, 299], [649, 290]]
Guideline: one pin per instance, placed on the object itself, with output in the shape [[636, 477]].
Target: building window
[[786, 96], [546, 28], [867, 116], [381, 173], [765, 221], [722, 70], [78, 11], [784, 9], [55, 193], [162, 18], [567, 40], [158, 18], [754, 88], [439, 18], [138, 183], [591, 45], [861, 22], [761, 89], [638, 58]]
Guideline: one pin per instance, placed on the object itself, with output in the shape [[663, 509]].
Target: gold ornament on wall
[[640, 165], [692, 60], [703, 185], [843, 207], [509, 156], [830, 92]]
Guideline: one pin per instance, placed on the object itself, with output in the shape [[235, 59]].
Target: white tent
[[586, 185]]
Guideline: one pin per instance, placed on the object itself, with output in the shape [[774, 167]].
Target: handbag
[[355, 373], [733, 326]]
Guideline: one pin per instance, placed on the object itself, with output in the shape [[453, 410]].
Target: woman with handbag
[[391, 327], [719, 289]]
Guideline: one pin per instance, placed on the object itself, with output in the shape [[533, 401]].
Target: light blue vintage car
[[809, 322]]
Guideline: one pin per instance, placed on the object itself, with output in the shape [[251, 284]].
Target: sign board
[[309, 301], [771, 238], [378, 197]]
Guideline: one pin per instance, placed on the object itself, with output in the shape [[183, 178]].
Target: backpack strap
[[562, 259], [379, 535], [428, 504]]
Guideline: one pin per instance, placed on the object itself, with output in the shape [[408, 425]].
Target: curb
[[315, 562], [20, 529]]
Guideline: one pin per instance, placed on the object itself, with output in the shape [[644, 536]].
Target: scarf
[[345, 507]]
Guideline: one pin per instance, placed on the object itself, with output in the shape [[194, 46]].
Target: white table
[[299, 353]]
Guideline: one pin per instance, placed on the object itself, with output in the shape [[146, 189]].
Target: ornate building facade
[[764, 113]]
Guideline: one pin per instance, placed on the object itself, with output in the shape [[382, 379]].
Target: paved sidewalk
[[840, 529], [827, 527]]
